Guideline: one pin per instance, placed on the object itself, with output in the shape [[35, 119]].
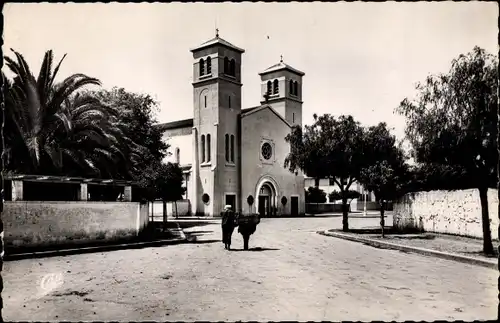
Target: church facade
[[234, 155]]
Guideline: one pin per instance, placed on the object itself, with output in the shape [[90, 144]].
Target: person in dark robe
[[228, 225], [247, 229]]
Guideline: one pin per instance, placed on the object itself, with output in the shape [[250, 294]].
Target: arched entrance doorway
[[266, 201]]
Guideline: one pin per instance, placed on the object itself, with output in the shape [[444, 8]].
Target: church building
[[234, 155]]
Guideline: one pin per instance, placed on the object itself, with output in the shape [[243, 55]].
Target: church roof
[[262, 107], [217, 41], [176, 124], [281, 66], [188, 123]]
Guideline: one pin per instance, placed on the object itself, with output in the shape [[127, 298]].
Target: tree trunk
[[498, 174], [498, 166], [164, 215], [382, 219], [345, 215], [246, 237], [153, 211], [2, 144], [176, 213], [487, 244]]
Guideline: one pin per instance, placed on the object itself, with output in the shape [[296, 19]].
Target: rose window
[[267, 151]]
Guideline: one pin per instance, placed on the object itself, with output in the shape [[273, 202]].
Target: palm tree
[[35, 112], [54, 129]]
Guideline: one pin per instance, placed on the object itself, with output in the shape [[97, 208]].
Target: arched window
[[296, 88], [232, 68], [276, 88], [202, 100], [202, 148], [202, 67], [177, 155], [232, 148], [208, 148], [269, 87], [229, 101], [209, 65], [292, 87], [293, 117], [226, 65], [227, 147]]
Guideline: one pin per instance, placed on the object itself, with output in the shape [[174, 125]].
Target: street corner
[[423, 248]]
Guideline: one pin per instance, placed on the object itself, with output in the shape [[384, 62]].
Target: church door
[[231, 200], [265, 201], [264, 205], [294, 203]]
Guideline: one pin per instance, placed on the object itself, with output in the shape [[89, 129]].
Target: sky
[[359, 58]]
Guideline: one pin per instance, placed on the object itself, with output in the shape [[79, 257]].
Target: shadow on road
[[172, 224], [255, 249], [198, 232], [196, 241], [102, 248]]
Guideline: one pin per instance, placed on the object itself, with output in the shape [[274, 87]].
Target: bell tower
[[281, 88], [217, 108]]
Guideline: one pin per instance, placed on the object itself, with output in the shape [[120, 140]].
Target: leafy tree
[[169, 181], [386, 173], [330, 148], [136, 119], [434, 176], [386, 181], [315, 195], [168, 184], [453, 121]]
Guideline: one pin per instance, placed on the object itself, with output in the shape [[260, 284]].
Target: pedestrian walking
[[228, 225]]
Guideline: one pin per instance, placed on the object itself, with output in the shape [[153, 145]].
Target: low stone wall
[[143, 218], [43, 224], [453, 212], [318, 208], [373, 206], [356, 205], [183, 209]]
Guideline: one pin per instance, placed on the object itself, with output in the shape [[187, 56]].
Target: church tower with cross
[[281, 87], [217, 107]]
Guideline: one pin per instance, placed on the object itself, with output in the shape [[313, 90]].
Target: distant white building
[[328, 186]]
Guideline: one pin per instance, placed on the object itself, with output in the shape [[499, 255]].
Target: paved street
[[295, 274]]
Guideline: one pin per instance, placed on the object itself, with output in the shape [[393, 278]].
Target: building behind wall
[[328, 186], [366, 200], [229, 153]]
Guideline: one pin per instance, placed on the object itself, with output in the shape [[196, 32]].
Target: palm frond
[[52, 79], [68, 87], [44, 76]]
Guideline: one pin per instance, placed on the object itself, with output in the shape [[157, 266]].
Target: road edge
[[422, 251]]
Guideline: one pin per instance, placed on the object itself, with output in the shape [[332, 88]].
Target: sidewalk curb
[[84, 250], [422, 251]]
